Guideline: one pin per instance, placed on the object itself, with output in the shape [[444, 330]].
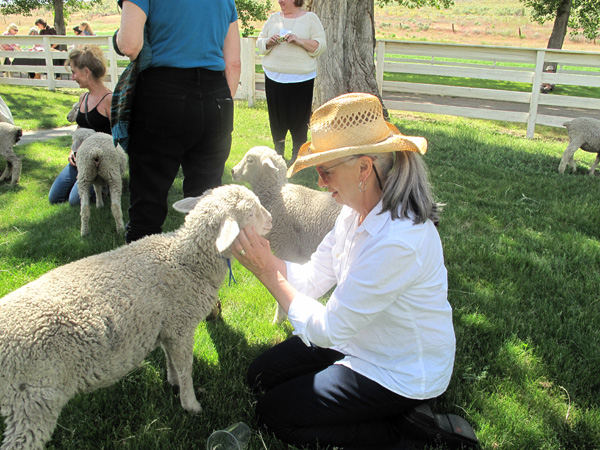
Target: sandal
[[450, 429]]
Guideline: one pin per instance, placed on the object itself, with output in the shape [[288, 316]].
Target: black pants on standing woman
[[180, 118], [289, 107]]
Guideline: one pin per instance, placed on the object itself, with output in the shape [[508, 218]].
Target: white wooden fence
[[512, 64]]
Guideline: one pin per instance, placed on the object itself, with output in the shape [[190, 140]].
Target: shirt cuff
[[300, 312]]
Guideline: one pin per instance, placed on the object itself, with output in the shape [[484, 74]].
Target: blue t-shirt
[[188, 33]]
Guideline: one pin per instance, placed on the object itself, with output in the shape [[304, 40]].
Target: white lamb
[[301, 216], [9, 136], [85, 325], [584, 133], [99, 163], [73, 113]]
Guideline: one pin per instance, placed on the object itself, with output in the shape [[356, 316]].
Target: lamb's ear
[[186, 205], [227, 234], [269, 163]]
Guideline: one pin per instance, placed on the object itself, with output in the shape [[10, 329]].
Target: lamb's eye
[[250, 160]]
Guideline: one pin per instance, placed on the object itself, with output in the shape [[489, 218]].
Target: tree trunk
[[559, 30], [59, 17], [348, 64]]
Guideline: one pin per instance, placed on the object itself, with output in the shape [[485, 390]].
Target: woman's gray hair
[[406, 187]]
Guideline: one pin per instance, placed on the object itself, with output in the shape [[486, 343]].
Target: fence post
[[248, 77], [379, 67], [49, 63], [114, 69], [535, 93]]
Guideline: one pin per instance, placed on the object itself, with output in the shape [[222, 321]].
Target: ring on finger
[[242, 252]]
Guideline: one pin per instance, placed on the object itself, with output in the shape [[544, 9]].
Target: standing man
[[182, 111]]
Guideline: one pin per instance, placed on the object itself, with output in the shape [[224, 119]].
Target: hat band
[[310, 147]]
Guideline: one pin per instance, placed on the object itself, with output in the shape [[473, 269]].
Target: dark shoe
[[450, 429]]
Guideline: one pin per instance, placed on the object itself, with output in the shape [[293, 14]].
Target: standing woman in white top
[[384, 343], [290, 41]]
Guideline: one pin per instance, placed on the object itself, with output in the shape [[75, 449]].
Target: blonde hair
[[12, 26], [85, 26], [90, 56]]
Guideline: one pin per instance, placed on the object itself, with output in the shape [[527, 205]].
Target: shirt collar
[[374, 222]]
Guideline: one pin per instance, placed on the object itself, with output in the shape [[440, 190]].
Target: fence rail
[[509, 64]]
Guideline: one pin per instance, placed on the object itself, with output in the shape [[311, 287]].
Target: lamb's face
[[255, 164], [80, 135], [260, 219], [72, 116]]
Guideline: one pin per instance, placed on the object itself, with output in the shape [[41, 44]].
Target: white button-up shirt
[[389, 312]]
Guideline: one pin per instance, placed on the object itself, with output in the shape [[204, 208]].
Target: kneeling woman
[[384, 342]]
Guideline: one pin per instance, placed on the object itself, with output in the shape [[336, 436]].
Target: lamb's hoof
[[215, 314], [194, 408]]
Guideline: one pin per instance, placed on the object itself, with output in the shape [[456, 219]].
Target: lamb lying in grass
[[9, 136], [584, 133], [99, 163], [301, 216], [85, 325]]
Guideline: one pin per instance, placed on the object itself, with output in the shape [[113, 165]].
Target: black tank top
[[93, 119]]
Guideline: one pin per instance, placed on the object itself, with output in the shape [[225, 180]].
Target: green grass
[[522, 250]]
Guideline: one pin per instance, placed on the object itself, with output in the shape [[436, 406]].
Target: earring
[[362, 186]]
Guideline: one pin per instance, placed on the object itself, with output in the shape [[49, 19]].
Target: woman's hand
[[72, 159], [273, 41], [309, 45], [254, 253]]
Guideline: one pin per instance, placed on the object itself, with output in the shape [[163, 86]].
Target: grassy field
[[523, 256]]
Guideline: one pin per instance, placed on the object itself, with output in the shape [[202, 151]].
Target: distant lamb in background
[[301, 216], [85, 325], [73, 113], [584, 133], [99, 163], [9, 136]]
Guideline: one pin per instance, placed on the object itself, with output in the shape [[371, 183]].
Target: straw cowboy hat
[[352, 124]]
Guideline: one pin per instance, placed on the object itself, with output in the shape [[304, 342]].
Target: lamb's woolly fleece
[[99, 163], [9, 136], [301, 216], [85, 325], [584, 133]]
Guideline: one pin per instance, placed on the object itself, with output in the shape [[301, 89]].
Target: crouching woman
[[384, 342]]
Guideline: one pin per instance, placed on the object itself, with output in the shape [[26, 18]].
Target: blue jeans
[[65, 187], [304, 398], [180, 118]]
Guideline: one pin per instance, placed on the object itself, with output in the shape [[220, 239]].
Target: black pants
[[304, 398], [180, 118], [289, 107]]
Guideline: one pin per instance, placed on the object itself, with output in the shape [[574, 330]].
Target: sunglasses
[[324, 172]]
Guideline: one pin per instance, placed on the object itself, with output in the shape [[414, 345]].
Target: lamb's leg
[[7, 171], [567, 157], [31, 418], [16, 171], [115, 204], [593, 168], [99, 199], [84, 197], [171, 372], [181, 354], [280, 315]]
